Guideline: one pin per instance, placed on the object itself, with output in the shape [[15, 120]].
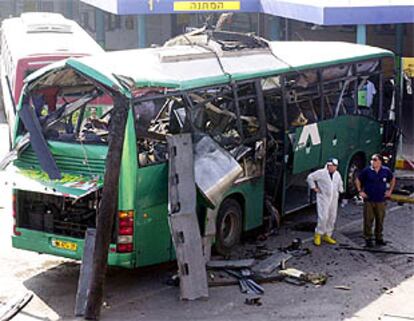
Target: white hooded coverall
[[326, 199]]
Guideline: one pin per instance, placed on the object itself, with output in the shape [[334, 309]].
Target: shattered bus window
[[253, 127], [72, 110], [229, 114], [247, 101], [214, 112], [272, 93], [75, 119], [154, 120]]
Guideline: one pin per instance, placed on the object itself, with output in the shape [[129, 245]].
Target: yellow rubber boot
[[328, 239], [317, 239]]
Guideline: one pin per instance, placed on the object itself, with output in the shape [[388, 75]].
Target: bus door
[[306, 152], [304, 137], [302, 117], [153, 240], [294, 140]]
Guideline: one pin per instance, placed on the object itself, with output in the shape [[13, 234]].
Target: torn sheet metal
[[12, 308], [231, 264], [70, 185], [215, 169], [13, 154], [272, 263], [38, 141], [182, 218]]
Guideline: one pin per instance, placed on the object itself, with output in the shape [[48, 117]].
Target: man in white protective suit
[[327, 184]]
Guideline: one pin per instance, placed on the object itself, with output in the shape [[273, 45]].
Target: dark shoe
[[369, 243], [380, 243]]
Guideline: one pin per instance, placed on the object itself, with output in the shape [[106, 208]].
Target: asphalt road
[[381, 285]]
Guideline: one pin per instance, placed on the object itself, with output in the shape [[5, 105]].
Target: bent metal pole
[[105, 219]]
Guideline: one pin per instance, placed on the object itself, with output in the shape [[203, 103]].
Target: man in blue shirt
[[372, 185]]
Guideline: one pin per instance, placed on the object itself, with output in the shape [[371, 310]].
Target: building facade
[[116, 31]]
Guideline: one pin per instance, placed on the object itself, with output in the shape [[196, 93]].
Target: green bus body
[[354, 135], [144, 189], [149, 184]]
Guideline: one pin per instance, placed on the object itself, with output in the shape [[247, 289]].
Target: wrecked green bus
[[278, 109]]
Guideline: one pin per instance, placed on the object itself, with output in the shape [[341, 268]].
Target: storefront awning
[[342, 12]]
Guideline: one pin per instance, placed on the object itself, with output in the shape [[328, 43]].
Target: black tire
[[228, 226], [355, 166]]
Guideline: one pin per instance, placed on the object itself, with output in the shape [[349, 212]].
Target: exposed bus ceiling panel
[[215, 44]]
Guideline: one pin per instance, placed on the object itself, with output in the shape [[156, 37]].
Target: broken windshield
[[76, 119], [78, 114], [61, 105]]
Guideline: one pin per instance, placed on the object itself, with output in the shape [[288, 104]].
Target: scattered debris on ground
[[295, 248], [14, 306], [246, 282], [253, 301], [272, 262], [249, 273], [220, 278], [230, 264], [374, 250], [342, 287], [298, 277]]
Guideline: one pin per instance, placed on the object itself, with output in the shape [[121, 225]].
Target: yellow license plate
[[206, 5], [65, 245]]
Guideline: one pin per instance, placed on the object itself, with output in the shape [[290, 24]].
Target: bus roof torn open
[[155, 67]]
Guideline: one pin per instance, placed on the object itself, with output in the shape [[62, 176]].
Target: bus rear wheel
[[355, 166], [228, 226]]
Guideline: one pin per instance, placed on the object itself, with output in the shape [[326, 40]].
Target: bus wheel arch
[[229, 224], [355, 165]]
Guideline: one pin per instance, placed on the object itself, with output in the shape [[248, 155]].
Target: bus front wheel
[[228, 226], [355, 166]]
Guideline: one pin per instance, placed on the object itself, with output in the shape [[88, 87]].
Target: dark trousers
[[373, 211]]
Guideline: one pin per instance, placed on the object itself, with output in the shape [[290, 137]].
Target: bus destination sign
[[206, 5]]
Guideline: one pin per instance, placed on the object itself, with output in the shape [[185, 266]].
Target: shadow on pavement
[[57, 286]]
